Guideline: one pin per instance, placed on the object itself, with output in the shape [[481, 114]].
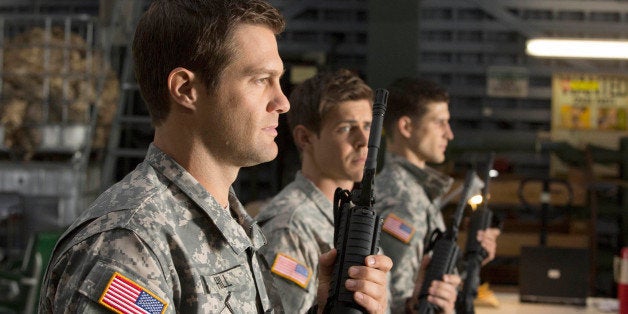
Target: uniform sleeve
[[288, 247], [87, 277], [402, 240]]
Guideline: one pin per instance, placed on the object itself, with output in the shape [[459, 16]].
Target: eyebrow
[[352, 121], [255, 71]]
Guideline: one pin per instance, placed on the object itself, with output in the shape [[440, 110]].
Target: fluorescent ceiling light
[[577, 48]]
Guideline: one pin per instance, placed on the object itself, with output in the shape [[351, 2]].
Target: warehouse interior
[[72, 121]]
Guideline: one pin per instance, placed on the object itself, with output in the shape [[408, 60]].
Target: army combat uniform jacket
[[298, 223], [157, 241], [408, 199]]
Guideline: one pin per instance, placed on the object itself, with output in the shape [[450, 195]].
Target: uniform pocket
[[231, 291]]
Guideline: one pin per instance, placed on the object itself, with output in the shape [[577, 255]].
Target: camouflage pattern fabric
[[298, 222], [413, 195], [162, 230]]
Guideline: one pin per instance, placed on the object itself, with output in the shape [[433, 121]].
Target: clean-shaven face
[[432, 134], [341, 147], [242, 115]]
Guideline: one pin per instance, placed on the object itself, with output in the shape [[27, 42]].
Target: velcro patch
[[287, 267], [122, 295], [398, 228]]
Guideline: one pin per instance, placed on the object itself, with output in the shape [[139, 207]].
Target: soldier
[[330, 122], [409, 192], [172, 237]]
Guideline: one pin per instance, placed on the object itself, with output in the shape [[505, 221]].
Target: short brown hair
[[315, 97], [192, 34], [410, 97]]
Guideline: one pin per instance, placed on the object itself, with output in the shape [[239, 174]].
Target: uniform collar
[[320, 200], [231, 229], [435, 183]]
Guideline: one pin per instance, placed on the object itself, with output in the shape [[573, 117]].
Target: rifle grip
[[480, 220], [357, 237], [445, 254]]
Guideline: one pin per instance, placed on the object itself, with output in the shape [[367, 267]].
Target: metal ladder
[[124, 150]]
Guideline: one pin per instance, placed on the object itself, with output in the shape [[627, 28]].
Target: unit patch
[[287, 267], [122, 295], [398, 228]]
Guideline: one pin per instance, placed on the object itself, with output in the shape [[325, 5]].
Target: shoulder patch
[[398, 228], [287, 267], [122, 295]]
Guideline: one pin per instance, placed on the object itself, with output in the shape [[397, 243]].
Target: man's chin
[[437, 160], [357, 177], [264, 156]]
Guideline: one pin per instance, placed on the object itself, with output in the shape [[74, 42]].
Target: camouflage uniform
[[413, 195], [298, 222], [162, 231]]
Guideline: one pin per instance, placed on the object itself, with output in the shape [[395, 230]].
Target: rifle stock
[[356, 228]]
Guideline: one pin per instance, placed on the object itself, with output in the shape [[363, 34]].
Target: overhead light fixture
[[577, 48]]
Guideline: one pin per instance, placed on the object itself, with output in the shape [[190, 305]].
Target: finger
[[494, 231], [453, 280], [326, 260], [375, 290], [480, 235], [368, 274], [426, 261], [325, 270], [488, 244], [381, 262], [370, 304], [443, 295], [444, 305], [443, 290]]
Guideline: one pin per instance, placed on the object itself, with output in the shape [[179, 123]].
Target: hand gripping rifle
[[474, 252], [357, 228], [445, 249]]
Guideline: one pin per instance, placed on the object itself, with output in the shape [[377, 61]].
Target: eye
[[262, 80], [344, 128]]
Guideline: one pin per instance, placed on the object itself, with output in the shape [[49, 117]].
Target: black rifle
[[445, 249], [357, 228], [474, 254]]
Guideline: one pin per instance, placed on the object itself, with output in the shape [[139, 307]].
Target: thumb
[[326, 260], [325, 270]]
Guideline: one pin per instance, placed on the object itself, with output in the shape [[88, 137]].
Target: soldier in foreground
[[172, 237]]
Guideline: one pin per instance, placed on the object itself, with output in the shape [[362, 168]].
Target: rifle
[[474, 252], [445, 249], [357, 228]]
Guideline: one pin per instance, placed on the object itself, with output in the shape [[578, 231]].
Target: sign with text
[[589, 109], [507, 81], [589, 101]]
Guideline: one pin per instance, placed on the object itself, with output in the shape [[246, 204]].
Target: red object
[[622, 282]]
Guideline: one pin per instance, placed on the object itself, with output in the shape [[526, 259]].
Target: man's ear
[[181, 87], [405, 126], [302, 137]]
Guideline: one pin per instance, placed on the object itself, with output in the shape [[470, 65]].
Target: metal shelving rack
[[59, 176], [132, 132], [329, 32]]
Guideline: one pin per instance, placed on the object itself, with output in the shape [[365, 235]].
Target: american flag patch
[[287, 267], [398, 228], [123, 296]]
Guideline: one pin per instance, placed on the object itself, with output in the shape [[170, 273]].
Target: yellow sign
[[589, 102], [589, 109]]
